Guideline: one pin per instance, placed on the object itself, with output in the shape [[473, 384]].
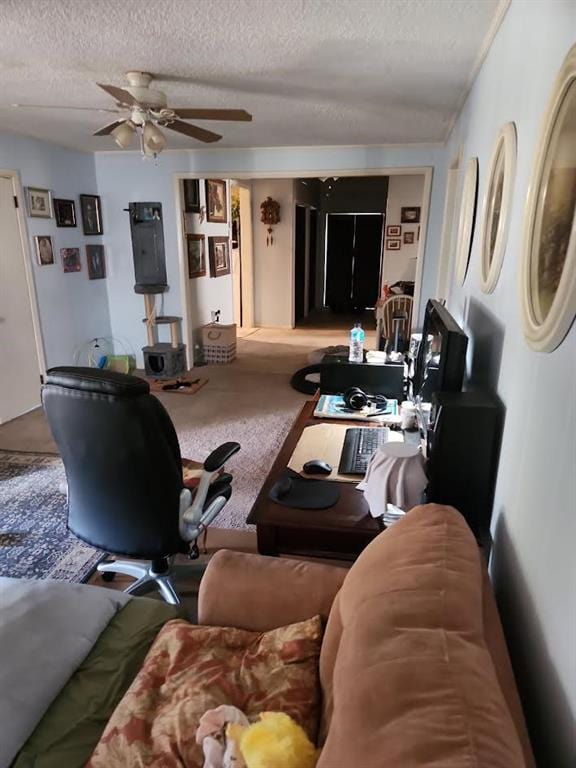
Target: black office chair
[[126, 493]]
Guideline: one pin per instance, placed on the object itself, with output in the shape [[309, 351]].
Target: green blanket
[[73, 724]]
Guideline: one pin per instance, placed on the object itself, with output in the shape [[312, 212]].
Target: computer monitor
[[441, 359]]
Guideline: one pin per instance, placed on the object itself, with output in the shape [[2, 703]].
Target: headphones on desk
[[356, 399]]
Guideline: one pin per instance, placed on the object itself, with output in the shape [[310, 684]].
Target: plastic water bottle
[[356, 354]]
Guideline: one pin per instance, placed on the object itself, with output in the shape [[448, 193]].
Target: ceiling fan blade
[[60, 106], [192, 130], [121, 96], [107, 130], [214, 114]]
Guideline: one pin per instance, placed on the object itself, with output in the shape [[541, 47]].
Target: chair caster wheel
[[108, 576], [194, 552]]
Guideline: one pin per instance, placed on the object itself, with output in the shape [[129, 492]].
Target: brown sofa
[[414, 668]]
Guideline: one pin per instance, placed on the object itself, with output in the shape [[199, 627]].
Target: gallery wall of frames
[[547, 269]]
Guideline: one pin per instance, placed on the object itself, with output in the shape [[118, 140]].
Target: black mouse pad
[[306, 494]]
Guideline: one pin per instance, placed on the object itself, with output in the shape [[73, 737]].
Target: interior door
[[339, 255], [367, 260], [312, 260], [300, 263], [19, 368]]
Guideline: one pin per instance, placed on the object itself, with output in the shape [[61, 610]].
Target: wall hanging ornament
[[270, 215]]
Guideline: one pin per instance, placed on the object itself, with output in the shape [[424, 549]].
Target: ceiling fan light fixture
[[153, 139], [124, 134]]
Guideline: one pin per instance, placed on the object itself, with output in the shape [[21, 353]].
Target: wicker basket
[[219, 343]]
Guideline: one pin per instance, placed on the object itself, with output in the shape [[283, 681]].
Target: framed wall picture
[[39, 202], [91, 214], [497, 206], [219, 252], [393, 230], [548, 261], [216, 201], [409, 238], [466, 219], [410, 214], [44, 250], [196, 255], [393, 244], [70, 259], [96, 262], [65, 213], [191, 189]]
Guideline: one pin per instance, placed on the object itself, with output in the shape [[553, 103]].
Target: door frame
[[294, 173], [18, 193]]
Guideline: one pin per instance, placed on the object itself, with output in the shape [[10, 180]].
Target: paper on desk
[[325, 441]]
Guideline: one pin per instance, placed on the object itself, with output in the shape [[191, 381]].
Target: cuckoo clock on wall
[[270, 215]]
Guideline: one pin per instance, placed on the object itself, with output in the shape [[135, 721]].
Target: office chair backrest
[[122, 461]]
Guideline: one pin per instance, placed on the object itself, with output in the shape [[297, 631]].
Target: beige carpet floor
[[249, 401]]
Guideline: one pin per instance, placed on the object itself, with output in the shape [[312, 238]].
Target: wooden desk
[[340, 532]]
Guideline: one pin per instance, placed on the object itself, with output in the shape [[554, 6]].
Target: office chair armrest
[[260, 593], [220, 456]]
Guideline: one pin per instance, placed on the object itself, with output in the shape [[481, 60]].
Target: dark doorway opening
[[300, 263], [353, 261], [312, 256]]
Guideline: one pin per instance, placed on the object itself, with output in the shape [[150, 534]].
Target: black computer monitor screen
[[441, 359]]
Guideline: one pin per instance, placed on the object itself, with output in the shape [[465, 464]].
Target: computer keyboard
[[360, 443]]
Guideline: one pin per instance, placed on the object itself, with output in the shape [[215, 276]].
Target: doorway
[[312, 256], [299, 263], [353, 261], [21, 366]]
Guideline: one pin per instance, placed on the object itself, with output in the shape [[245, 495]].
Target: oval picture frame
[[497, 205], [466, 219], [546, 265]]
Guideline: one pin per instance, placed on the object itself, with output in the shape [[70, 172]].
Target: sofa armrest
[[260, 593]]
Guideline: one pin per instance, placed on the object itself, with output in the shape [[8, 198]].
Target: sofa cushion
[[407, 677], [192, 669]]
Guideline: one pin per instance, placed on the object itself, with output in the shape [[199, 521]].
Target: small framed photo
[[196, 255], [96, 262], [70, 259], [216, 202], [393, 230], [65, 213], [191, 189], [408, 238], [44, 250], [410, 214], [91, 214], [393, 244], [39, 202], [219, 251]]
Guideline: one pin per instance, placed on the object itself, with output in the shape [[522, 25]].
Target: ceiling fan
[[147, 108]]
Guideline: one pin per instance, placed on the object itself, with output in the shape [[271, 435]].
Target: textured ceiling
[[312, 72]]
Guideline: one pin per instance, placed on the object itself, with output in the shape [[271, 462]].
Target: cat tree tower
[[162, 360]]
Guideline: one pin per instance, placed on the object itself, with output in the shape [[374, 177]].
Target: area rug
[[34, 540]]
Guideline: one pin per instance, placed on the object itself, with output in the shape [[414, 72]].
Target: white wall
[[534, 525], [402, 191], [273, 264], [72, 308], [208, 294]]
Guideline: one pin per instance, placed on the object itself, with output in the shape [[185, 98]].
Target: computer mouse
[[317, 467], [282, 487]]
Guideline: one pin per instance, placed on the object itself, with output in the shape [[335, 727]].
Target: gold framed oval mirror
[[548, 268], [497, 206]]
